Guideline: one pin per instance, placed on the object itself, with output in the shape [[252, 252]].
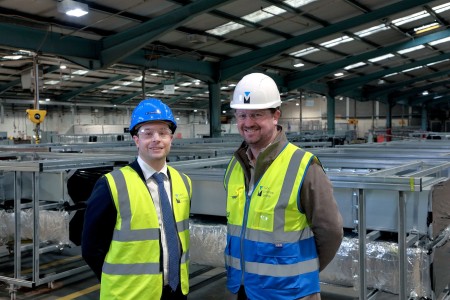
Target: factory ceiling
[[179, 50]]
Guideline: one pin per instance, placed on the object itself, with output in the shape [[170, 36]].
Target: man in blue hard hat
[[136, 229]]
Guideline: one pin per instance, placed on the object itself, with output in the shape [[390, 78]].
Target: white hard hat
[[256, 91]]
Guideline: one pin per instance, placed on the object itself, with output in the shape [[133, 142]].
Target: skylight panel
[[257, 16], [372, 30], [442, 7], [298, 3], [440, 41], [225, 28], [304, 52], [410, 18], [335, 42], [382, 57], [359, 64], [411, 49], [263, 14]]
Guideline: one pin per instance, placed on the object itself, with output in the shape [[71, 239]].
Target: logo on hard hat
[[247, 97], [153, 112]]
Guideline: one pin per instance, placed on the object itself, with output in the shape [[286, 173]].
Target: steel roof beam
[[232, 66], [74, 93], [346, 85], [121, 45], [298, 79]]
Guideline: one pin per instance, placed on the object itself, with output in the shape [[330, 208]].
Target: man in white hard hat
[[284, 225]]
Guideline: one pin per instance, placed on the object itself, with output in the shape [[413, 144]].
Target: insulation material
[[207, 243], [53, 226], [382, 264], [441, 219]]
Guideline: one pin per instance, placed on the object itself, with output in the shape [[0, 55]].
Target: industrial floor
[[207, 283]]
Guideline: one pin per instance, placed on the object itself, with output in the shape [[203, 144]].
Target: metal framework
[[43, 177]]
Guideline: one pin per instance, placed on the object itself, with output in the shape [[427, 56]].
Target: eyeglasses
[[254, 116], [146, 133]]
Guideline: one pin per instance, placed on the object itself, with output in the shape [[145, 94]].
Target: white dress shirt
[[153, 188]]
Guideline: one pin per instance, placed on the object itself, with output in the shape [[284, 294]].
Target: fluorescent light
[[359, 64], [339, 74], [440, 8], [79, 72], [438, 62], [411, 18], [298, 63], [440, 41], [12, 57], [304, 52], [335, 42], [298, 3], [382, 57], [371, 30], [73, 8], [411, 49], [427, 27], [52, 82], [412, 69]]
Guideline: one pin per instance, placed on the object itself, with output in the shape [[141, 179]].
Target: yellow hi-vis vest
[[270, 246], [133, 265]]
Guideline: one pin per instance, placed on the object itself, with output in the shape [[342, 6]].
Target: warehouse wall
[[369, 115], [68, 120], [104, 120]]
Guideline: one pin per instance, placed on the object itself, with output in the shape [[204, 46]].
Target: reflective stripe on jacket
[[133, 264], [270, 246]]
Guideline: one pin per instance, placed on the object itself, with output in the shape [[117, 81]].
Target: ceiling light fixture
[[426, 28], [73, 8], [298, 63]]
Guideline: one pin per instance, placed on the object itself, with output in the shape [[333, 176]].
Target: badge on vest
[[278, 245]]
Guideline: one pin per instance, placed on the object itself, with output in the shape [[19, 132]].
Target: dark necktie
[[170, 231]]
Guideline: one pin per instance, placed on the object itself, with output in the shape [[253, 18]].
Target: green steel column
[[331, 114], [214, 109], [424, 124], [389, 116]]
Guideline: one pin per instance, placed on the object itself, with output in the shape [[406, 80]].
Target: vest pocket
[[279, 251], [262, 220]]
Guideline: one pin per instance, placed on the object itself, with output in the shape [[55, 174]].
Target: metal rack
[[397, 193], [42, 177]]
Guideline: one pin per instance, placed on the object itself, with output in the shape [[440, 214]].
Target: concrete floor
[[207, 283]]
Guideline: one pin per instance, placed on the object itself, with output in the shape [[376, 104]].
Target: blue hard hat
[[151, 110]]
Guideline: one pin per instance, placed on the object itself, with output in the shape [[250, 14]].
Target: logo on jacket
[[265, 192], [246, 97], [260, 191]]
